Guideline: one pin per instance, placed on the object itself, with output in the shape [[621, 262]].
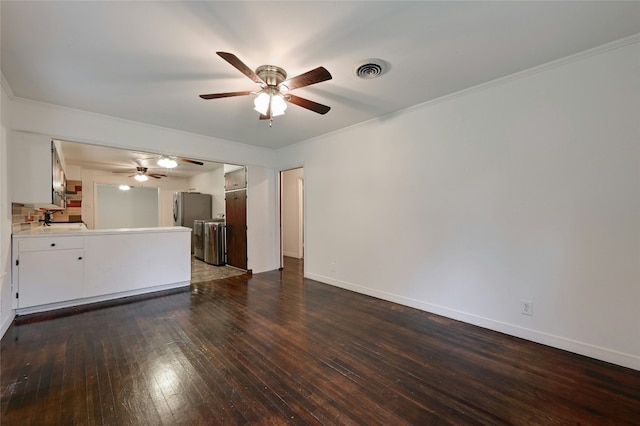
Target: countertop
[[80, 229]]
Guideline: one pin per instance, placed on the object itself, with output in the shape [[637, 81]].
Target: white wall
[[166, 186], [73, 172], [262, 214], [211, 183], [291, 220], [524, 189], [137, 207]]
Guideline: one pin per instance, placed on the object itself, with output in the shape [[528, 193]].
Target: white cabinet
[[50, 276], [30, 168], [80, 267], [49, 270], [129, 261]]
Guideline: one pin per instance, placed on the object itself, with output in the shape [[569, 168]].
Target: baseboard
[[559, 342], [291, 254], [6, 323]]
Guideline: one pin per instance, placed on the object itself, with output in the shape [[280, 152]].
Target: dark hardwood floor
[[278, 349]]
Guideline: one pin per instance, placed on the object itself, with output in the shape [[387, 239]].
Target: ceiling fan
[[142, 174], [270, 100]]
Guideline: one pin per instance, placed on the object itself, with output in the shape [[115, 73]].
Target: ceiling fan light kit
[[270, 101], [141, 177]]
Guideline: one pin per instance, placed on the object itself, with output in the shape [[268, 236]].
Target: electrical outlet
[[526, 307], [332, 266]]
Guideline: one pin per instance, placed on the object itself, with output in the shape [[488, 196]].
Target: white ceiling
[[119, 161], [148, 61]]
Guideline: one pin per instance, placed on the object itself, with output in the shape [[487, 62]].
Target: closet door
[[236, 218]]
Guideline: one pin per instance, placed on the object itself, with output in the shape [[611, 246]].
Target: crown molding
[[576, 57]]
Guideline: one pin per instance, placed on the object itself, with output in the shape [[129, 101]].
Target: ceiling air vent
[[370, 68]]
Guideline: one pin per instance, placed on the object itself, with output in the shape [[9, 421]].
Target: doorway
[[292, 216]]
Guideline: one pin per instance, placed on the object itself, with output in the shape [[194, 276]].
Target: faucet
[[47, 218]]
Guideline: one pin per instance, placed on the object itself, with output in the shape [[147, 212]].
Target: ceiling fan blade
[[264, 117], [225, 95], [128, 171], [187, 160], [156, 175], [310, 105], [308, 78], [240, 66]]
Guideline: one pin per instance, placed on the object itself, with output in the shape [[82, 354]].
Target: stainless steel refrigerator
[[190, 206]]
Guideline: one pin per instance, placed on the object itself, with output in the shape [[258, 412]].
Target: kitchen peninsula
[[61, 266]]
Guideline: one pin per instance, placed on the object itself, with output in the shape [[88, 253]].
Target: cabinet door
[[29, 168], [50, 276], [236, 179]]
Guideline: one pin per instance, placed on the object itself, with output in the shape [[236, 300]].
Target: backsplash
[[73, 212], [24, 217]]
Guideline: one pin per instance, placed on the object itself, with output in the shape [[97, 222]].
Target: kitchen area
[[64, 255]]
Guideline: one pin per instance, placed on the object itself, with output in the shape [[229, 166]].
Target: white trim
[[559, 342], [7, 323], [300, 201]]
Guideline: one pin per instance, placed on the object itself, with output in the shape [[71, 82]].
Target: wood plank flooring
[[277, 349]]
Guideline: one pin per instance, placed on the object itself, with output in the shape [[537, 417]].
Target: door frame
[[300, 193], [300, 188]]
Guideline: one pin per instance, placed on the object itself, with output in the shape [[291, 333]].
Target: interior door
[[236, 215]]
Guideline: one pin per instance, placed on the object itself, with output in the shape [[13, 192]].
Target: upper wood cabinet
[[236, 179]]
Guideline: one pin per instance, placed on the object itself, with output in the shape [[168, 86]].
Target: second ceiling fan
[[141, 174], [270, 100]]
